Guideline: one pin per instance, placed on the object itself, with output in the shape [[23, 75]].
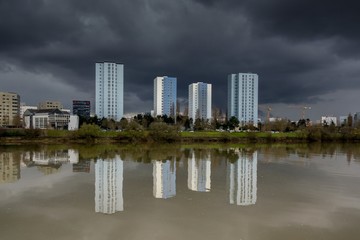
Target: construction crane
[[303, 110], [268, 111]]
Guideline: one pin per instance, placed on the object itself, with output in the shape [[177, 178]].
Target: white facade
[[200, 101], [164, 179], [243, 179], [23, 108], [165, 96], [328, 120], [109, 90], [40, 121], [243, 97], [109, 185], [73, 123], [343, 120], [199, 173]]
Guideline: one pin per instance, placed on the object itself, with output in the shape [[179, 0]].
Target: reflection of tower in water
[[9, 167], [199, 171], [164, 177], [243, 179], [109, 185]]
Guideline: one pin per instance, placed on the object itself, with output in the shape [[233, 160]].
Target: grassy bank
[[96, 135]]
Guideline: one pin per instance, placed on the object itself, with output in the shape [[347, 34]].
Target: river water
[[245, 192]]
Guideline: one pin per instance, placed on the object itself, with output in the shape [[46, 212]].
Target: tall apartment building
[[243, 179], [165, 96], [50, 105], [243, 97], [81, 108], [9, 109], [109, 90], [109, 185], [200, 101]]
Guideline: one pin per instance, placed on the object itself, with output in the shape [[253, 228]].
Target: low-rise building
[[49, 119], [50, 105], [326, 120]]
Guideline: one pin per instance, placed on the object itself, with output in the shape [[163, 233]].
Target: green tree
[[233, 123]]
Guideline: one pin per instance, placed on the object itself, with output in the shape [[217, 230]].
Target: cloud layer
[[302, 50]]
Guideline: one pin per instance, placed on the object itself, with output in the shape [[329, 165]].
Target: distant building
[[326, 120], [81, 108], [48, 119], [109, 90], [73, 123], [200, 101], [24, 107], [9, 109], [356, 119], [165, 96], [243, 97], [343, 120], [243, 179], [109, 185], [50, 105]]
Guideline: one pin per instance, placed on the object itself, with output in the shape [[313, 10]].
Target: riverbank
[[28, 136]]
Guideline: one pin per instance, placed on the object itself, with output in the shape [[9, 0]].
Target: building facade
[[165, 96], [243, 98], [81, 108], [9, 109], [200, 101], [50, 119], [109, 90], [327, 120], [50, 105]]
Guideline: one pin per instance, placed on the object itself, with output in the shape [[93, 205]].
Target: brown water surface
[[278, 192]]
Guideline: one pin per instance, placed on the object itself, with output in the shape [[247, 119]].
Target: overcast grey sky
[[305, 52]]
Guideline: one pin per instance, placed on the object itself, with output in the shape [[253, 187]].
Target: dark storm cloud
[[300, 49]]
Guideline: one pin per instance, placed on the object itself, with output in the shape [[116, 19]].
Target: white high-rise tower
[[109, 90], [165, 96], [243, 97], [200, 101]]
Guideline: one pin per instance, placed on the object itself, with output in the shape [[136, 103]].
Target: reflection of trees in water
[[219, 153]]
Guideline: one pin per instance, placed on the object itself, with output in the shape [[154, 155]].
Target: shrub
[[160, 131], [88, 131]]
